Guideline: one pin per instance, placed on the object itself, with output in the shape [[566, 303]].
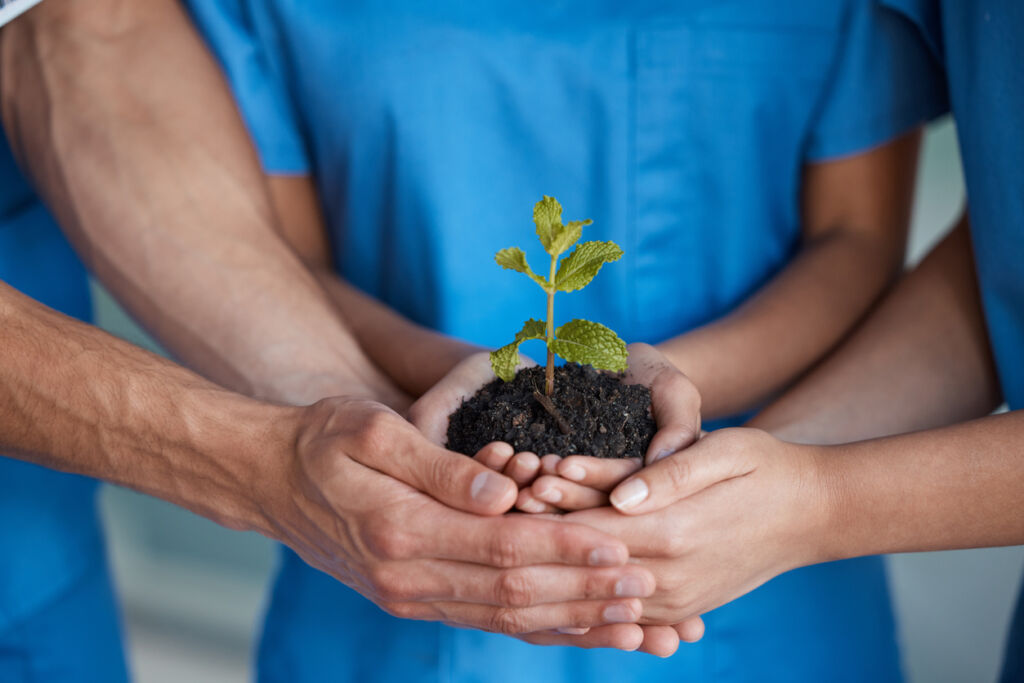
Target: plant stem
[[549, 371]]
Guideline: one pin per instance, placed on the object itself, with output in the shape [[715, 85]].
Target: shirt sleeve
[[257, 82], [885, 82]]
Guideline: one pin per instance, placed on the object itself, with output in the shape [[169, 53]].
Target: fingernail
[[630, 494], [532, 506], [487, 488], [630, 587], [661, 454], [552, 496], [606, 556], [618, 614], [574, 473], [572, 631]]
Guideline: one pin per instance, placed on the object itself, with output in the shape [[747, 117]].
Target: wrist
[[239, 450], [829, 537]]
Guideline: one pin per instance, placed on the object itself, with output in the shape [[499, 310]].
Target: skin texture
[[156, 183]]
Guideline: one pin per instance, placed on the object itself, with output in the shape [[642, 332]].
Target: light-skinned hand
[[363, 496]]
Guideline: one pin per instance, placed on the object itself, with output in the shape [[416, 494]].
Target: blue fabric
[[49, 530], [681, 128], [40, 649], [980, 44]]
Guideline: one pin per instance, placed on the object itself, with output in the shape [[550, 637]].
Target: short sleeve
[[256, 81], [885, 81]]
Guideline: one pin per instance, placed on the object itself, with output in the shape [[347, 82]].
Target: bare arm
[[154, 179], [414, 357], [921, 360], [122, 121], [855, 215]]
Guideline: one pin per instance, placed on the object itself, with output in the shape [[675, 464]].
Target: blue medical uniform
[[58, 621], [981, 45], [681, 128]]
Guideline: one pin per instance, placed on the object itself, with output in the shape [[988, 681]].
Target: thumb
[[451, 478], [715, 458]]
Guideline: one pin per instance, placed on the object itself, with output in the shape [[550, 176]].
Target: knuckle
[[377, 432], [401, 610], [678, 471], [504, 550], [507, 621], [514, 589], [387, 542], [674, 546], [389, 586], [444, 470]]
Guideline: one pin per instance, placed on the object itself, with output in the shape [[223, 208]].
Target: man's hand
[[719, 519], [354, 508]]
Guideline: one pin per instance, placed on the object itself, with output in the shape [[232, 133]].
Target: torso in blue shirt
[[48, 526], [681, 128]]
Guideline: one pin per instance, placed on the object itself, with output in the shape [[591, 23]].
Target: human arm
[[414, 357], [153, 177], [855, 215], [920, 360]]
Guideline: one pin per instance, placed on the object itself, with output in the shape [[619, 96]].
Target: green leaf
[[556, 238], [505, 360], [566, 236], [579, 268], [585, 342], [513, 258], [547, 214]]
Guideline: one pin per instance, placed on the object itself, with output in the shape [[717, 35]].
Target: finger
[[528, 503], [681, 475], [603, 474], [451, 478], [495, 455], [675, 401], [566, 495], [382, 440], [660, 641], [515, 621], [549, 463], [444, 581], [691, 630], [522, 468], [627, 637], [508, 541]]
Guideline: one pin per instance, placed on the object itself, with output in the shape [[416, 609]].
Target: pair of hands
[[376, 502]]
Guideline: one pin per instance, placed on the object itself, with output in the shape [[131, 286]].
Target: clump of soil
[[605, 417]]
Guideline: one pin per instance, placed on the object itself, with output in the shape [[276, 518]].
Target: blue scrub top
[[49, 534], [681, 128], [981, 45]]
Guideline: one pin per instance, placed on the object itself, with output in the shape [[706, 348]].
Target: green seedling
[[578, 341]]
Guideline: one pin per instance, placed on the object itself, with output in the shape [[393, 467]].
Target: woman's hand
[[719, 519]]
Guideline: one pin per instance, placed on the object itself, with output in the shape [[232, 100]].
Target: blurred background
[[193, 592]]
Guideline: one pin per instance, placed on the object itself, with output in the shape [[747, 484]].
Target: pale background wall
[[193, 591]]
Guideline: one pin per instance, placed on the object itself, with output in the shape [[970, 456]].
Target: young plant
[[578, 341]]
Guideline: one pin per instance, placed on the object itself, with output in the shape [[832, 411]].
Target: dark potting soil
[[606, 418]]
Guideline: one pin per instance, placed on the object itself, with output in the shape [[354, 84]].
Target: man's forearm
[[76, 399], [921, 360], [145, 162]]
